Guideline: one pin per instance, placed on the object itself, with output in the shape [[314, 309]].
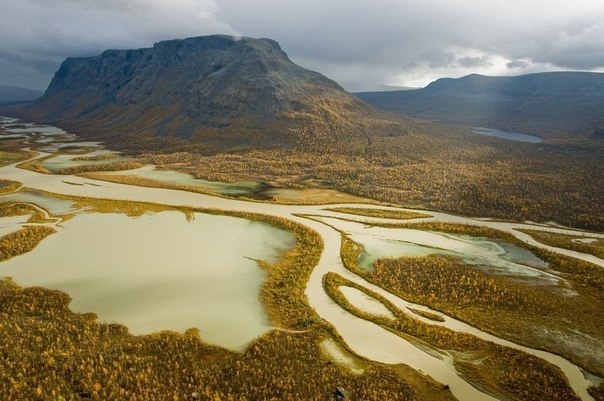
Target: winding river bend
[[363, 337]]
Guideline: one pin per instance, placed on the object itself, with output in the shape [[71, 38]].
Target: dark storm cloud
[[36, 35], [357, 42], [412, 42]]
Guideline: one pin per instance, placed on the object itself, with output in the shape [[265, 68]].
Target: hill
[[216, 91], [237, 109], [552, 104], [13, 94]]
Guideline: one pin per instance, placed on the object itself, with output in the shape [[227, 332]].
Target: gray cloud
[[518, 64], [39, 34], [474, 62], [356, 42]]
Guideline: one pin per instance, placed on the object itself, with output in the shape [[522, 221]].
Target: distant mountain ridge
[[219, 91], [13, 94], [549, 104]]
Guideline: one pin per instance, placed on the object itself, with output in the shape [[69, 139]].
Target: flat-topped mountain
[[218, 91], [547, 104], [13, 94]]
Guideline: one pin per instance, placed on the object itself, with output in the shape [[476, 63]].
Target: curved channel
[[363, 337]]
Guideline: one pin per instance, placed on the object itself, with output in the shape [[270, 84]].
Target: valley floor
[[480, 334]]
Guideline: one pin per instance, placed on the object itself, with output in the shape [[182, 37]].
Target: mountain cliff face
[[216, 90], [548, 104]]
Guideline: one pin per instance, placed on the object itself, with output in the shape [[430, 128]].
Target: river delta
[[173, 270]]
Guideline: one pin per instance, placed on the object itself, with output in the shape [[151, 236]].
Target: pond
[[60, 162], [514, 136], [176, 177], [160, 271]]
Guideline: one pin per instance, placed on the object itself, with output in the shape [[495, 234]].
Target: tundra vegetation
[[23, 240], [11, 151], [37, 165], [9, 157], [146, 182], [50, 352], [423, 166], [440, 168]]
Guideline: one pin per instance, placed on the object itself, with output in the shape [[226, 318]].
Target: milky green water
[[160, 272], [60, 162], [224, 188]]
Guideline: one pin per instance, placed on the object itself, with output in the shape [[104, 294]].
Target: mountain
[[13, 94], [215, 91], [546, 104]]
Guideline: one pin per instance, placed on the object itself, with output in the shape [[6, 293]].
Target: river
[[363, 337]]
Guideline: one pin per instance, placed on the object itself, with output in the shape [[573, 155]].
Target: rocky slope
[[215, 91], [549, 104]]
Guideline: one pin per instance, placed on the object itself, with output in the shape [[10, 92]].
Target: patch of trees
[[444, 170], [7, 186], [22, 241], [511, 307], [380, 213], [50, 352], [504, 371]]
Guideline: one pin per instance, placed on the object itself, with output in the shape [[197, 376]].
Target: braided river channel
[[166, 271]]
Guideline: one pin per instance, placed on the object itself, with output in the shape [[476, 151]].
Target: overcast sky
[[362, 44]]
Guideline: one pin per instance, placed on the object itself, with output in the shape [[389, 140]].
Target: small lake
[[514, 136], [160, 271], [176, 177], [60, 162]]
